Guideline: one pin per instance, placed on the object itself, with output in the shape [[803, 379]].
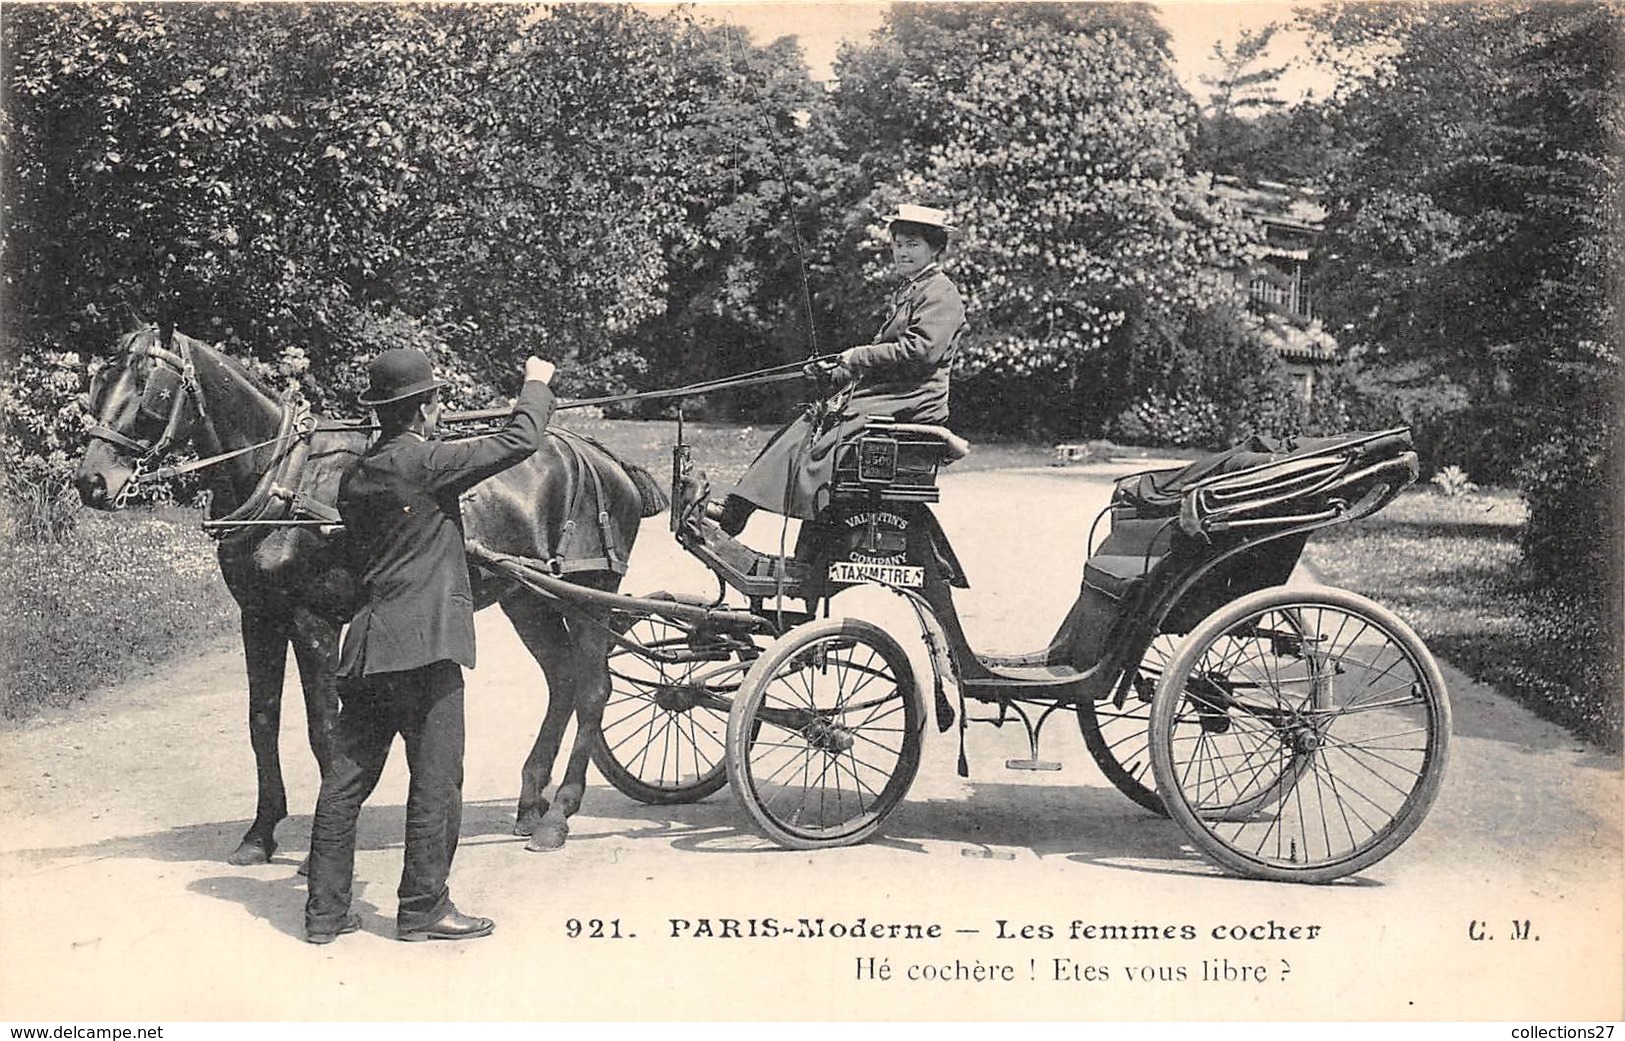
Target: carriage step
[[1031, 764]]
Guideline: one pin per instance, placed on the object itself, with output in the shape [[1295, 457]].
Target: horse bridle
[[170, 385]]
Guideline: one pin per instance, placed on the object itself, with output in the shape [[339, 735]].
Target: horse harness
[[276, 499], [612, 558]]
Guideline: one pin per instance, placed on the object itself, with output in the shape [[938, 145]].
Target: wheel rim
[[836, 740], [1304, 737], [664, 728], [1117, 730]]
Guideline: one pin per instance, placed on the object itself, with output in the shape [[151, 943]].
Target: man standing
[[400, 670]]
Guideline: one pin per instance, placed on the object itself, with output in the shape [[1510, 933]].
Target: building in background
[[1278, 284]]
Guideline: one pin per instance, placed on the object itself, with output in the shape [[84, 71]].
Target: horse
[[273, 469]]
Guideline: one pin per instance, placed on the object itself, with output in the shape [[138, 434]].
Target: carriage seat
[[954, 447], [1133, 549], [894, 462]]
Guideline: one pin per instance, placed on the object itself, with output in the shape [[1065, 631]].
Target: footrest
[[757, 575], [1031, 764]]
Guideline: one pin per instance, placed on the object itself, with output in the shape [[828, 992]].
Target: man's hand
[[537, 369]]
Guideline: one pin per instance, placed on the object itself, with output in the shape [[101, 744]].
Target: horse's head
[[145, 400]]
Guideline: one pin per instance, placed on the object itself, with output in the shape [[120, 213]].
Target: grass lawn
[[118, 590], [1450, 567]]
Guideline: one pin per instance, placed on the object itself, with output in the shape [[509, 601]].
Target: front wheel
[[1300, 734], [661, 740], [824, 737]]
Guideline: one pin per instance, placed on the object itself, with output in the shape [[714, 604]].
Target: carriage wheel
[[665, 724], [824, 738], [1300, 735], [1117, 729], [1117, 732]]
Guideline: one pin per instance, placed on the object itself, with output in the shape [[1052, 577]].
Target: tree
[[313, 183], [1058, 135], [1470, 228], [1474, 240], [1230, 132]]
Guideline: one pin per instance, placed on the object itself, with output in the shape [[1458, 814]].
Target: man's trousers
[[425, 707]]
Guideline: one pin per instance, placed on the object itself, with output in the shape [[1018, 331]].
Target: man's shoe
[[453, 925], [351, 923]]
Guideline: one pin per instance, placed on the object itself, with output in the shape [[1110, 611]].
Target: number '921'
[[595, 929]]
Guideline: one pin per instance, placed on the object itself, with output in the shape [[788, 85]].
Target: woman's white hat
[[927, 215]]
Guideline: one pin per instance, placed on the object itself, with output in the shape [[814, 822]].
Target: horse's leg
[[315, 648], [265, 647], [588, 650], [543, 633]]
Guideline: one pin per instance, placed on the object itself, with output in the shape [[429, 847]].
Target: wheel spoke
[[1299, 738]]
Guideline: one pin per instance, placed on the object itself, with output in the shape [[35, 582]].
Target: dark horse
[[572, 504]]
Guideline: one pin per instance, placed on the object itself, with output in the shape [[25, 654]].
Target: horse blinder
[[163, 387]]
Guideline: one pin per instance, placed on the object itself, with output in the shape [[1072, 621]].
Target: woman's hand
[[829, 370]]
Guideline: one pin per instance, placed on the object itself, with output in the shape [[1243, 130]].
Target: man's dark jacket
[[400, 508]]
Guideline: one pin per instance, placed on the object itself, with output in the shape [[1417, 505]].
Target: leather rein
[[275, 499]]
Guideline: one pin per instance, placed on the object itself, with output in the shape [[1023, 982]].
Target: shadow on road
[[992, 821]]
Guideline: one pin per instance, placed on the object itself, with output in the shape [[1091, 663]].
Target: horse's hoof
[[525, 824], [547, 837], [250, 852]]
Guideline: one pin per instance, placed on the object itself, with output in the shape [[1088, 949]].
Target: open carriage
[[1295, 733]]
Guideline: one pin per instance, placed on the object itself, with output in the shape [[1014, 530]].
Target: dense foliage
[[1058, 135], [1473, 257], [509, 180], [1474, 231]]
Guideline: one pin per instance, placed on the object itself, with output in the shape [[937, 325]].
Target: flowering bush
[[1173, 420], [43, 422]]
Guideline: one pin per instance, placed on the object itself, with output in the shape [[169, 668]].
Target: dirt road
[[116, 903]]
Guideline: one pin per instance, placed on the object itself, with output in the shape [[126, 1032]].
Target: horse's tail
[[653, 497]]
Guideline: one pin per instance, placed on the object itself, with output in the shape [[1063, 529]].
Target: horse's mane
[[236, 365]]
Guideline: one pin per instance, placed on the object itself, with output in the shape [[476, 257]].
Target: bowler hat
[[930, 216], [398, 374]]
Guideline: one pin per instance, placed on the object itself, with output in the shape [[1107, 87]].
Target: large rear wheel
[[1117, 729], [1300, 735], [824, 737]]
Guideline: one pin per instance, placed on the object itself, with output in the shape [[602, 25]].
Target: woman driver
[[902, 375]]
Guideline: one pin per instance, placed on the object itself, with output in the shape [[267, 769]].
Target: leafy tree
[[310, 183], [1474, 243], [1469, 224], [1058, 135], [743, 137]]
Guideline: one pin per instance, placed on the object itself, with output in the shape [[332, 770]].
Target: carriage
[[1296, 733]]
